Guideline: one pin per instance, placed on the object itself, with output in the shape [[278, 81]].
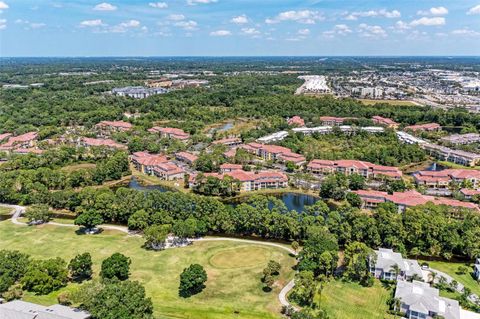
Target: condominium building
[[146, 162], [274, 153], [101, 142], [348, 167], [170, 132], [442, 179], [230, 142], [385, 121], [108, 127], [428, 127]]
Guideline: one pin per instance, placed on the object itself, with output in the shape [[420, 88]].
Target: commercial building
[[138, 92], [314, 84], [348, 167]]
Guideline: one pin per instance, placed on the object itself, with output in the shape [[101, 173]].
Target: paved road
[[19, 210]]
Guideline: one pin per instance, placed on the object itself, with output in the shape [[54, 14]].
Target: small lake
[[293, 201], [436, 167]]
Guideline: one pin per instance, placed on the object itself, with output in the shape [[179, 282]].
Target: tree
[[116, 266], [462, 270], [269, 281], [80, 267], [354, 200], [304, 289], [356, 182], [290, 166], [274, 267], [45, 276], [13, 265], [185, 229], [192, 280], [156, 235], [38, 214], [357, 256], [295, 246], [139, 220], [115, 300], [89, 220]]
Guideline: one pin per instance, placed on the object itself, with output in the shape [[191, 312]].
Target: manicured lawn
[[234, 269], [450, 268], [346, 300]]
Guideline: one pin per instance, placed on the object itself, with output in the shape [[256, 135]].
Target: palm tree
[[396, 306], [396, 270]]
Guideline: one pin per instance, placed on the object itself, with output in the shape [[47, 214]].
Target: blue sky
[[239, 27]]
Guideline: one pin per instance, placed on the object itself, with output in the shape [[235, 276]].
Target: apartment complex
[[101, 142], [455, 156], [170, 132], [230, 142], [274, 153], [108, 127], [385, 261], [296, 121], [385, 121], [403, 200], [156, 165], [442, 179], [348, 167], [26, 140], [186, 157], [428, 127]]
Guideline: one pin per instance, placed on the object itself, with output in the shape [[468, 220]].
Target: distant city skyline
[[239, 28]]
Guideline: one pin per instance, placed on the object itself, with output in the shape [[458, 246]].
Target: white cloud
[[339, 29], [187, 25], [241, 19], [435, 11], [158, 5], [220, 33], [176, 17], [304, 31], [250, 31], [371, 31], [373, 13], [436, 21], [474, 10], [301, 16], [37, 25], [3, 5], [124, 26], [3, 24], [91, 23], [466, 32], [104, 6], [194, 2]]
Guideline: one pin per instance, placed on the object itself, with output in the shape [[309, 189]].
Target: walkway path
[[473, 297], [19, 210]]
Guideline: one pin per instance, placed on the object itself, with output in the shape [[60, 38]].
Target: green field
[[347, 300], [5, 212], [234, 269], [450, 268], [390, 102]]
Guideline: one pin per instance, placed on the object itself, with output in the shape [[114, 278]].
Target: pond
[[135, 184], [436, 167], [293, 201]]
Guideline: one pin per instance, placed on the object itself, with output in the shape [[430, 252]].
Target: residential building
[[428, 127], [18, 309], [275, 137], [476, 269], [146, 162], [168, 171], [5, 136], [469, 193], [274, 153], [455, 156], [186, 157], [26, 140], [101, 142], [403, 200], [227, 167], [385, 121], [169, 132], [343, 128], [105, 128], [461, 139], [296, 121], [420, 301], [442, 179], [250, 181], [331, 120], [383, 266], [230, 142], [366, 169], [409, 139]]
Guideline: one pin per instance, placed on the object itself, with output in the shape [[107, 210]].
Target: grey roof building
[[420, 301], [383, 266], [18, 309]]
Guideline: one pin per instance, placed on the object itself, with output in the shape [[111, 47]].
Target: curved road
[[282, 297]]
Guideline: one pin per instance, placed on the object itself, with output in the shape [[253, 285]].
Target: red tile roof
[[168, 168], [116, 124], [27, 137], [146, 159], [230, 166], [188, 156], [102, 142], [296, 120], [173, 132], [383, 120]]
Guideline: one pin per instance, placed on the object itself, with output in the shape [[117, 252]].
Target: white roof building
[[18, 309]]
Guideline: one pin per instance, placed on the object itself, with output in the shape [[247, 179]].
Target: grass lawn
[[450, 268], [5, 212], [347, 300], [234, 269], [391, 102]]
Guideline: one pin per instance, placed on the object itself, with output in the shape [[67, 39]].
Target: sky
[[239, 27]]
